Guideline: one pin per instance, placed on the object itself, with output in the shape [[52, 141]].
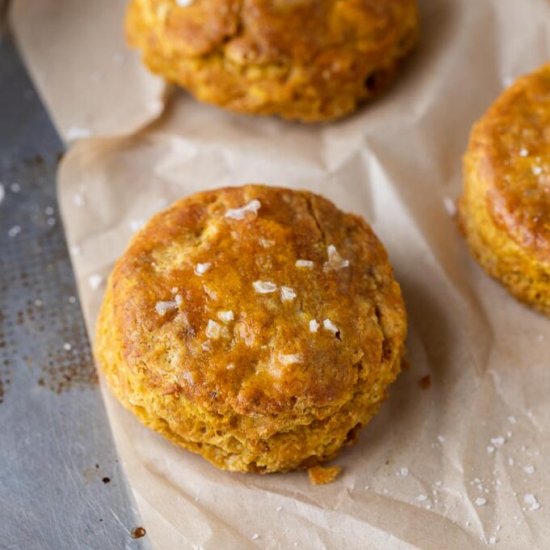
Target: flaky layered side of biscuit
[[306, 60], [259, 327], [505, 207]]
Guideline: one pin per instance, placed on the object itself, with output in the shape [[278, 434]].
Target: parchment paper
[[76, 54], [459, 465]]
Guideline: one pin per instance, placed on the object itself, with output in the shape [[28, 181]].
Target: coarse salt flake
[[314, 325], [404, 472], [330, 326], [213, 330], [287, 294], [75, 132], [537, 170], [421, 498], [264, 287], [226, 316], [201, 269], [529, 469], [164, 307], [450, 206], [498, 441], [480, 501], [67, 346], [335, 261], [239, 213], [135, 225], [290, 358], [14, 231], [492, 540], [255, 536], [95, 281], [532, 502], [307, 264], [266, 243], [523, 152], [210, 293]]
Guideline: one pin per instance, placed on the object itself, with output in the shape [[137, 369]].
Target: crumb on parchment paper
[[321, 475]]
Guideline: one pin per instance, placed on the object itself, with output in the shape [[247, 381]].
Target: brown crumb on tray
[[425, 382], [321, 475]]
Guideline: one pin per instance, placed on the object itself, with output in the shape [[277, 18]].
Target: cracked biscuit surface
[[505, 206], [309, 60], [257, 326]]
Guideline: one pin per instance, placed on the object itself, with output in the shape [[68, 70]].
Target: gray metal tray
[[61, 485]]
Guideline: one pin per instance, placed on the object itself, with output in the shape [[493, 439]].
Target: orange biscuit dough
[[309, 60], [505, 208], [259, 327]]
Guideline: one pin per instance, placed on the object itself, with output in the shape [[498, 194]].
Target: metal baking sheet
[[61, 485]]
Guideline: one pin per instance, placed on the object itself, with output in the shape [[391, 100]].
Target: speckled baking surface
[[60, 482]]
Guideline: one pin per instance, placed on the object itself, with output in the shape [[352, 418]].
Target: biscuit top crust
[[510, 152], [257, 298], [265, 32]]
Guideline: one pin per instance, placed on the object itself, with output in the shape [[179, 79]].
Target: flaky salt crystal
[[335, 261], [450, 206], [164, 307], [314, 326], [213, 330], [287, 294], [330, 326], [201, 269], [239, 213], [307, 264], [95, 281], [532, 502], [264, 287], [226, 316], [290, 358]]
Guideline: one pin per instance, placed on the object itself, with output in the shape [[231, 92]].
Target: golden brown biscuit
[[257, 326], [309, 60], [505, 207]]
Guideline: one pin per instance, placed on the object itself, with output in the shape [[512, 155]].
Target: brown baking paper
[[461, 464]]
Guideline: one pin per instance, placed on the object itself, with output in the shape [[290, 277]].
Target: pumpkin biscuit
[[259, 327], [504, 211], [309, 60]]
